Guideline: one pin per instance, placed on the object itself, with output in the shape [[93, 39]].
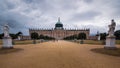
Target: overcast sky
[[93, 14]]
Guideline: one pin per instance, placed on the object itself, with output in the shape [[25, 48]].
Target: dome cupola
[[59, 25]]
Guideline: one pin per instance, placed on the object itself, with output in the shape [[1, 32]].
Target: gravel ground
[[61, 54]]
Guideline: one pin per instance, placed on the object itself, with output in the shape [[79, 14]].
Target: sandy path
[[61, 54]]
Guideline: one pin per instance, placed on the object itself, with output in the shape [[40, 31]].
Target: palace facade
[[59, 32]]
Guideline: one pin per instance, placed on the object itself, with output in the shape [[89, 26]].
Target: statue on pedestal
[[111, 28], [7, 41], [110, 39], [6, 30]]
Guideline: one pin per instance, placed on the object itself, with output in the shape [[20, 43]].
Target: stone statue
[[6, 30], [110, 39], [7, 41], [111, 28]]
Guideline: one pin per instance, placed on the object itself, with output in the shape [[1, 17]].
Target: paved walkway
[[61, 54]]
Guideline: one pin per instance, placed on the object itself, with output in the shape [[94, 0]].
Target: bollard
[[34, 41], [81, 41]]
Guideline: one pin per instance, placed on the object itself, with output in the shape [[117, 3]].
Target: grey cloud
[[13, 19], [94, 29], [85, 16], [42, 5], [88, 1], [28, 1], [116, 6], [22, 16], [48, 6], [69, 4], [6, 5], [10, 5], [34, 1]]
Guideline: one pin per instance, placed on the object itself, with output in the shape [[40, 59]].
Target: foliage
[[14, 36], [19, 33], [45, 37], [81, 36], [71, 37], [41, 37], [34, 35], [1, 36], [117, 34], [103, 36]]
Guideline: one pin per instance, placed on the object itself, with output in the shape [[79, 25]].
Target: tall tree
[[14, 36], [81, 36], [34, 35], [117, 34], [103, 36], [19, 33], [1, 36], [41, 36]]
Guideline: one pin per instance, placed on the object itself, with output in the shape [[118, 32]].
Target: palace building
[[59, 32]]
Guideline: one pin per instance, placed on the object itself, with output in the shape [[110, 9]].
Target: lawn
[[7, 51], [118, 41], [93, 42], [16, 42], [115, 52], [102, 42]]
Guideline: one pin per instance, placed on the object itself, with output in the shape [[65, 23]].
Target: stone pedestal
[[7, 43], [110, 42], [98, 38]]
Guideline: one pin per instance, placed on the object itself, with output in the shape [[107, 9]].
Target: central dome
[[58, 25]]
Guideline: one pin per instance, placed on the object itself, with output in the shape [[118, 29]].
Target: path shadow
[[115, 52], [7, 51]]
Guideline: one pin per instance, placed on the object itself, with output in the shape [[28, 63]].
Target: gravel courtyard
[[61, 54]]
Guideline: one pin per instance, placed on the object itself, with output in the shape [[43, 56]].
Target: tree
[[69, 37], [14, 36], [103, 36], [81, 36], [19, 33], [1, 36], [46, 37], [41, 36], [117, 34], [34, 35]]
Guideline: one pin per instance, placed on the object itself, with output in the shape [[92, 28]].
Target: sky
[[96, 15]]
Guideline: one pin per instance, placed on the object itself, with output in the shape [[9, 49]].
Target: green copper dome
[[59, 21], [58, 25]]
